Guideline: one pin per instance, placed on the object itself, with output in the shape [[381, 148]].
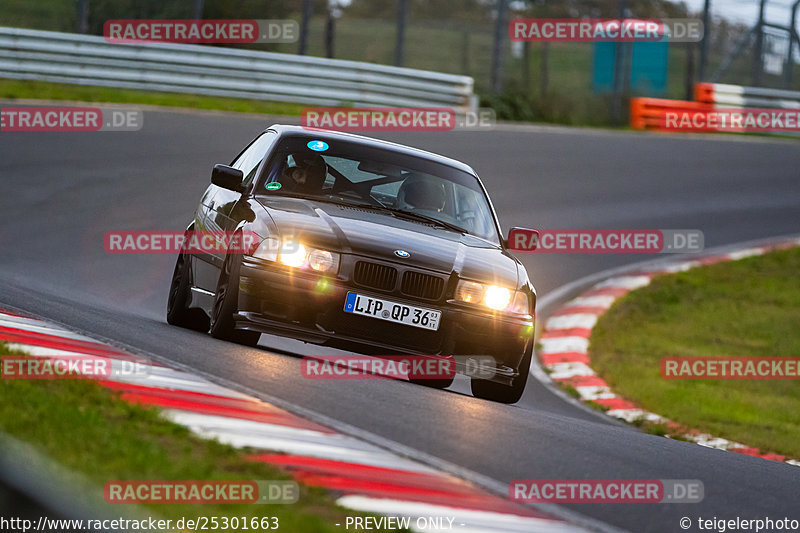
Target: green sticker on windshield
[[274, 186]]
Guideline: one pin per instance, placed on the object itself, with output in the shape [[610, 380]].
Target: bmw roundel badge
[[402, 253]]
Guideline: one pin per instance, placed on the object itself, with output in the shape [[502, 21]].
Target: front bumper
[[306, 306]]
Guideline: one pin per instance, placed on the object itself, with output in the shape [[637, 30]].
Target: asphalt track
[[60, 192]]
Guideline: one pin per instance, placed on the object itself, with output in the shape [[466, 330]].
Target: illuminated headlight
[[497, 298], [296, 255], [492, 296], [293, 254]]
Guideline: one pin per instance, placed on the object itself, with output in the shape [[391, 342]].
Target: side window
[[471, 211], [251, 158]]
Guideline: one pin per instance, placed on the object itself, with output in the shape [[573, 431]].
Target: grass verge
[[88, 429], [750, 308], [42, 90]]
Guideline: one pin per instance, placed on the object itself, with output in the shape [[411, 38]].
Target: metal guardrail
[[210, 70], [724, 95]]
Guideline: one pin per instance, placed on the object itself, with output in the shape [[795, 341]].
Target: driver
[[421, 194], [308, 174]]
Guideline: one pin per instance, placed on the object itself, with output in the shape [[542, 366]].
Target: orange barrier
[[719, 107], [649, 113], [704, 92]]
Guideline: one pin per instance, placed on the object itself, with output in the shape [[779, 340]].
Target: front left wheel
[[226, 304]]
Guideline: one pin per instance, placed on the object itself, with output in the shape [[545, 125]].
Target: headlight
[[470, 292], [268, 249], [296, 255], [492, 296], [323, 261], [293, 254], [497, 298], [520, 304]]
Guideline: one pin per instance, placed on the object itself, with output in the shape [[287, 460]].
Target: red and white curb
[[363, 476], [564, 344]]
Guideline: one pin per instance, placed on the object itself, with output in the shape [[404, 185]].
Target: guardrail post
[[620, 71], [198, 10], [500, 29], [399, 46], [787, 73], [704, 42], [83, 16], [307, 7], [758, 48]]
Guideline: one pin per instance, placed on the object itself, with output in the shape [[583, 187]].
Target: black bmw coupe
[[362, 245]]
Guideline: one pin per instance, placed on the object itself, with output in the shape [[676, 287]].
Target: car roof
[[329, 135]]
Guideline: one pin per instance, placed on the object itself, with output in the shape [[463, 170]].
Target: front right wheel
[[499, 392], [226, 304], [179, 312], [432, 383]]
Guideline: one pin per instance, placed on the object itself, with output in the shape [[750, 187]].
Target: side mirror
[[522, 239], [227, 178]]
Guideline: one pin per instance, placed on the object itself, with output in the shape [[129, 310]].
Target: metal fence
[[209, 70]]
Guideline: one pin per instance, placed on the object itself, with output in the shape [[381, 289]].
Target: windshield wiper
[[328, 198], [425, 218], [291, 194], [399, 213]]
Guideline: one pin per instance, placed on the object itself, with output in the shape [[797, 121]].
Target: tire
[[433, 383], [441, 383], [226, 304], [498, 392], [180, 297]]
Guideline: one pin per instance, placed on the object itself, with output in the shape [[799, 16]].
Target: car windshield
[[400, 184]]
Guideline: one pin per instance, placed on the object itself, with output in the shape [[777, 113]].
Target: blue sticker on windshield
[[317, 146]]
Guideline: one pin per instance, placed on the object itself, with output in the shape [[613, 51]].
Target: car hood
[[370, 233]]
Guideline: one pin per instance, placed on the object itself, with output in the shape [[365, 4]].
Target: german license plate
[[409, 315]]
